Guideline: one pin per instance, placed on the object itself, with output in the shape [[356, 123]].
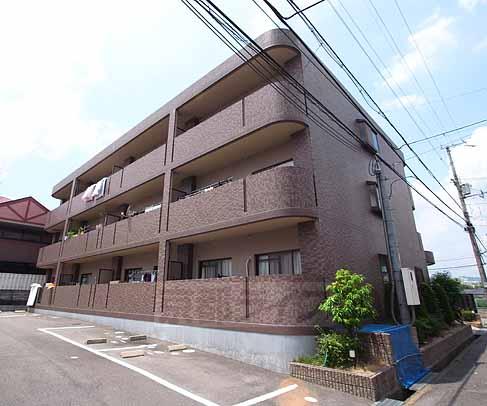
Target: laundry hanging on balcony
[[99, 190], [88, 195]]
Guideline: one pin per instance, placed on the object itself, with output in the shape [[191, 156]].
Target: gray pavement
[[463, 382], [44, 361]]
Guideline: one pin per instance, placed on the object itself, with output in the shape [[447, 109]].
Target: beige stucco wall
[[242, 248]]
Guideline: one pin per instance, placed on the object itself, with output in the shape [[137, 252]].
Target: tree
[[350, 302], [430, 299], [452, 287], [446, 309]]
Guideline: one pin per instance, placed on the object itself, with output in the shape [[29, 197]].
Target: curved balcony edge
[[300, 215]]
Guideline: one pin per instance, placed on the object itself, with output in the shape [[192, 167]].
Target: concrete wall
[[269, 351]]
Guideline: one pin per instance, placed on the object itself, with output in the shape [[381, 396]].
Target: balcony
[[57, 216], [49, 254], [146, 168], [259, 109], [275, 193], [123, 234]]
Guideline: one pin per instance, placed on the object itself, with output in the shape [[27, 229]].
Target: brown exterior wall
[[326, 191], [131, 298]]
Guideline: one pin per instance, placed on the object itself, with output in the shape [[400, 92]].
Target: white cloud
[[435, 36], [53, 56], [470, 5], [407, 101], [480, 46], [446, 239]]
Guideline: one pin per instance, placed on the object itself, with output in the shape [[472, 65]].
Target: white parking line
[[140, 371], [268, 396], [11, 316], [123, 348], [65, 328]]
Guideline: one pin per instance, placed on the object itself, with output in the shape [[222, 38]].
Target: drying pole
[[469, 228], [392, 244]]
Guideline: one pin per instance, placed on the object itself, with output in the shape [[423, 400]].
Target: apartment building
[[219, 219]]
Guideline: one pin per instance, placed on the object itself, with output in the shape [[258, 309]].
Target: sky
[[75, 76]]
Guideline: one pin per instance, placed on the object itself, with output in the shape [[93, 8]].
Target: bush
[[310, 359], [333, 349], [445, 305], [452, 287], [429, 299], [427, 327], [350, 302], [468, 315]]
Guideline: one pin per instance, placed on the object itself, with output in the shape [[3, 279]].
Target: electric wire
[[386, 69], [248, 41], [329, 76], [320, 38], [424, 61]]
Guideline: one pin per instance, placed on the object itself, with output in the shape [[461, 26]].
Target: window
[[135, 275], [85, 279], [279, 263], [216, 268], [375, 200], [374, 140], [289, 162], [370, 139]]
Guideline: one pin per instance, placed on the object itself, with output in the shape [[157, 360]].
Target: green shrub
[[429, 299], [310, 359], [351, 301], [427, 327], [452, 287], [333, 349], [445, 305], [468, 315]]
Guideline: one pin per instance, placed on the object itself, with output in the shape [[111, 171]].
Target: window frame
[[200, 267], [293, 264]]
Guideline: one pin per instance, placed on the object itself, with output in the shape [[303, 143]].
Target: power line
[[453, 259], [446, 132], [362, 90], [452, 267], [405, 63], [424, 62], [239, 35], [386, 81]]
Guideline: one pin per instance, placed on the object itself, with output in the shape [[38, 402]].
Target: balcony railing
[[278, 188], [256, 110], [58, 215], [49, 254], [140, 171], [114, 236]]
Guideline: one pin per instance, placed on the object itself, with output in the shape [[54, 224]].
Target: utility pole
[[469, 228], [392, 245]]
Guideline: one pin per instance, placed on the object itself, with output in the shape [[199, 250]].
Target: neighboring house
[[226, 212], [21, 236]]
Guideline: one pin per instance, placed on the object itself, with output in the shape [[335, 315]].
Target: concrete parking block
[[132, 354], [138, 337], [177, 347], [96, 341]]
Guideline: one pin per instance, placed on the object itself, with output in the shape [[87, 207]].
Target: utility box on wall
[[410, 286]]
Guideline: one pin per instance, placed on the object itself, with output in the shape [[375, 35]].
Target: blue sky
[[75, 76]]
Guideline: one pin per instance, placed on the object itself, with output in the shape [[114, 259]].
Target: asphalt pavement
[[44, 360]]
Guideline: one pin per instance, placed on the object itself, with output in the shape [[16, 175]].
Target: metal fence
[[16, 281]]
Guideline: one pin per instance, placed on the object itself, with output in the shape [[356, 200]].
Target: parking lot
[[44, 360]]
